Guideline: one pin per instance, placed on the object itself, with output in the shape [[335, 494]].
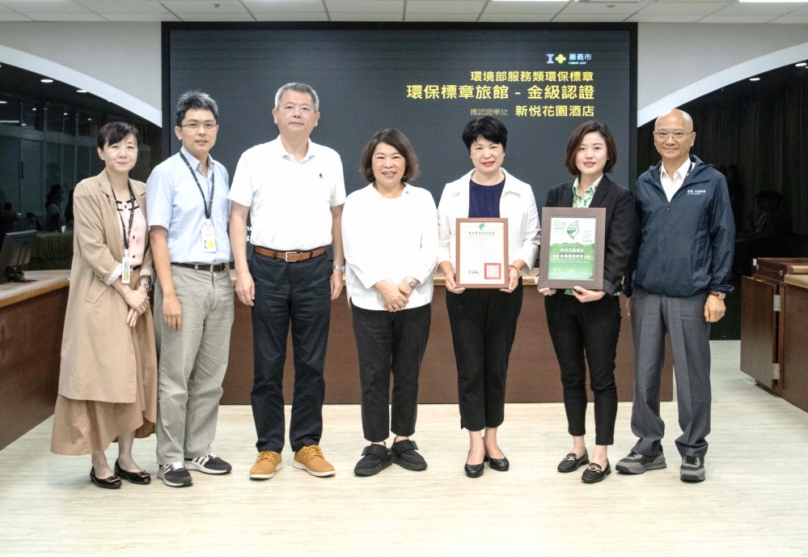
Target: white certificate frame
[[482, 260]]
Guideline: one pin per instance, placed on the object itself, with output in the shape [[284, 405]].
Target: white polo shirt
[[290, 202]]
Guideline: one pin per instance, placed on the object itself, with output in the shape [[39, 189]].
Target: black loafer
[[112, 482], [375, 458], [571, 462], [139, 478], [498, 464], [405, 455], [594, 473], [474, 470]]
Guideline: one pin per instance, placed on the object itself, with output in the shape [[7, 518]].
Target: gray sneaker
[[637, 463], [692, 469]]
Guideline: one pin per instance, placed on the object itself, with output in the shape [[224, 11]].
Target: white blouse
[[517, 204], [389, 239]]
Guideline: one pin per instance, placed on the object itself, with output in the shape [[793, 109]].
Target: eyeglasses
[[196, 125], [678, 136]]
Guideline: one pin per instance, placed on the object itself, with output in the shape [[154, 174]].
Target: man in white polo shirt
[[293, 191]]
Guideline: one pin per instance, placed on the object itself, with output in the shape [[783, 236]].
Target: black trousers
[[483, 325], [589, 329], [390, 342], [299, 292]]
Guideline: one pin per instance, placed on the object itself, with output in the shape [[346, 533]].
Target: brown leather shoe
[[311, 460], [266, 464]]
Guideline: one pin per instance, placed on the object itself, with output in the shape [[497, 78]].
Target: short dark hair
[[487, 126], [578, 136], [394, 138], [195, 100], [115, 132]]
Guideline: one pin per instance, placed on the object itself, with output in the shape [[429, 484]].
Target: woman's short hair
[[400, 143], [195, 100], [115, 132], [487, 126], [578, 136]]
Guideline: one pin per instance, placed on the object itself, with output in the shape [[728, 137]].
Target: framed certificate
[[572, 247], [482, 253]]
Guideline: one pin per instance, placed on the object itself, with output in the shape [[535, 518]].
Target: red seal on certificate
[[493, 271]]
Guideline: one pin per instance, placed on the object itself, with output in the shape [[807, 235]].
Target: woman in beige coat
[[107, 381]]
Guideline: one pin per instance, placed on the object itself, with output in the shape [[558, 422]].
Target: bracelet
[[518, 270], [340, 268]]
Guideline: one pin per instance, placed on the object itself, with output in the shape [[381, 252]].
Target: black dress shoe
[[594, 473], [474, 470], [139, 478], [112, 482], [498, 464], [571, 462]]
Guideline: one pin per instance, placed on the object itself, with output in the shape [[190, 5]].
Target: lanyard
[[132, 208], [208, 204]]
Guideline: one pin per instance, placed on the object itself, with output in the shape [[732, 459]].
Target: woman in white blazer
[[483, 321]]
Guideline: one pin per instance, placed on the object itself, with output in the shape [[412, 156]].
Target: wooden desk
[[32, 317], [794, 382], [533, 374]]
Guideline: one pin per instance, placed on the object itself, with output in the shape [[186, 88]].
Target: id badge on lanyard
[[208, 237], [126, 269]]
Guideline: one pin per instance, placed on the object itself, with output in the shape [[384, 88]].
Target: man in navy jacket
[[677, 280]]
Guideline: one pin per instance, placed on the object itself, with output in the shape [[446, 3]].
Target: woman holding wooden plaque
[[488, 235], [587, 322]]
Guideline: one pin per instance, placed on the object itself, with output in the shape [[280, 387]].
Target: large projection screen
[[428, 80]]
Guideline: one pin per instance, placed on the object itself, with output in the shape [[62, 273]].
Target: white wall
[[123, 56], [677, 62]]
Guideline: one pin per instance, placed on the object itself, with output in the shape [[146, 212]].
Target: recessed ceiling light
[[801, 64], [65, 114], [81, 91], [754, 79], [46, 80], [3, 102], [34, 109]]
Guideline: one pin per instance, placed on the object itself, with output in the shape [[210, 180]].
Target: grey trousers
[[192, 363], [652, 316]]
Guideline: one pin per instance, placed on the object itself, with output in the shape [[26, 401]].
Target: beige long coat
[[98, 353]]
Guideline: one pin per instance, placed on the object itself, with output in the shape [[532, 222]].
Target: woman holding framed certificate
[[390, 235], [488, 229], [586, 323]]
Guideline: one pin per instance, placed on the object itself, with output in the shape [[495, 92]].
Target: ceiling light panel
[[444, 7], [123, 6], [366, 6], [287, 6]]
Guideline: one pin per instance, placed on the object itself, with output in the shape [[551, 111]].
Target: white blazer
[[517, 204]]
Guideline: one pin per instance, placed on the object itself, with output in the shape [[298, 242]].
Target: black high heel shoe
[[139, 478], [474, 470], [498, 464], [112, 482]]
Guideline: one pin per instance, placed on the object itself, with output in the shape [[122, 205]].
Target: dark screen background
[[362, 78]]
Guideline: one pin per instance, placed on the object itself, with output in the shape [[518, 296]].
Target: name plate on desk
[[572, 248], [482, 253]]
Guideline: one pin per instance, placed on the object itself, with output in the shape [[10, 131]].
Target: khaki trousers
[[192, 363]]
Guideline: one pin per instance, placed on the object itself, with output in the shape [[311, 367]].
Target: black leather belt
[[204, 267]]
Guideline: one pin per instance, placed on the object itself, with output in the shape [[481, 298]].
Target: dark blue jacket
[[685, 246]]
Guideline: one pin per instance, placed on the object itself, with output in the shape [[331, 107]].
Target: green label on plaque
[[572, 249]]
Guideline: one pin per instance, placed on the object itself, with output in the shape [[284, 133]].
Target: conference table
[[32, 320]]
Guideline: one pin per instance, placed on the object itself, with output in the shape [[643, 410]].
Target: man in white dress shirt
[[293, 191]]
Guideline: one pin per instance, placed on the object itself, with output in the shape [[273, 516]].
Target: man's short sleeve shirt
[[290, 202], [174, 202]]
